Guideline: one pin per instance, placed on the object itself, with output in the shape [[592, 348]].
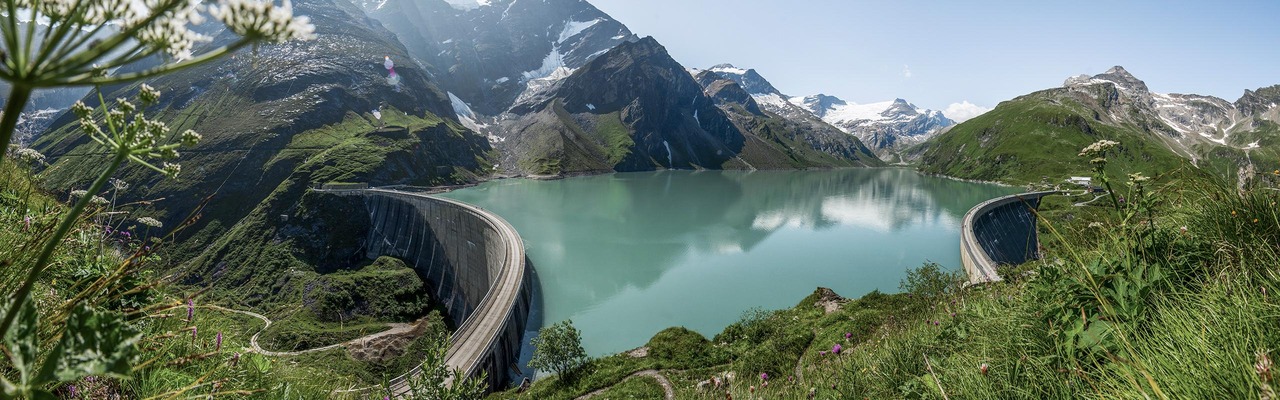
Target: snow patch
[[729, 70], [552, 62], [467, 5], [573, 28], [1252, 146], [502, 80], [591, 107], [670, 158], [771, 100], [465, 114]]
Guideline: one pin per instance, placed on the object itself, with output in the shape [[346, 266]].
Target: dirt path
[[1082, 204], [668, 390], [396, 329]]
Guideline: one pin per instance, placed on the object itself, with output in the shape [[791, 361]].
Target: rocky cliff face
[[279, 121], [634, 108], [490, 53]]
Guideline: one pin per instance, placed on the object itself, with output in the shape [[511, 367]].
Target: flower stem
[[63, 228], [12, 111]]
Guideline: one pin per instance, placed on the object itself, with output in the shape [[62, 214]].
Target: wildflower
[[151, 222], [848, 336], [71, 391], [1183, 229], [191, 309], [1098, 148], [822, 353], [263, 20], [79, 193], [99, 200], [235, 359], [30, 156], [148, 95], [764, 376], [194, 331], [125, 234], [1138, 178], [753, 388], [1263, 366], [836, 349], [26, 223], [119, 185], [217, 343]]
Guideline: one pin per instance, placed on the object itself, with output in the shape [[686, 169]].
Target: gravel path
[[668, 390]]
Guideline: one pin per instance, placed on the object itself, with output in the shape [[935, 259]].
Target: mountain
[[488, 53], [275, 123], [889, 127], [886, 128], [635, 108], [1037, 136]]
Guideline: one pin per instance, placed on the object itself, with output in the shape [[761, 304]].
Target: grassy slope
[[1198, 332], [1035, 136]]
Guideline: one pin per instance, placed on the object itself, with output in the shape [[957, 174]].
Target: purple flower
[[764, 376], [26, 223], [194, 330], [824, 352], [71, 391], [836, 349], [953, 315], [124, 233], [848, 336], [218, 342], [191, 309]]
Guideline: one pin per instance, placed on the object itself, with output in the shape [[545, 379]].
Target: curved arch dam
[[1000, 231], [474, 263]]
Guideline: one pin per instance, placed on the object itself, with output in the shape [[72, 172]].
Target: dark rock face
[[634, 109], [488, 55], [1260, 101], [289, 117], [726, 92]]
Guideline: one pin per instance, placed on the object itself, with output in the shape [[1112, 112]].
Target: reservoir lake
[[626, 255]]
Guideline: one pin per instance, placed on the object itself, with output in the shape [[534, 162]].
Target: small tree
[[558, 348]]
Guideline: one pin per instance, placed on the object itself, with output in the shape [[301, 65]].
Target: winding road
[[396, 329]]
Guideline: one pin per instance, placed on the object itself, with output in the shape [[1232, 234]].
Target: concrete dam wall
[[476, 264], [1000, 231]]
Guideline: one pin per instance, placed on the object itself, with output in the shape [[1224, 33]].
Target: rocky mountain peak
[[749, 79], [1259, 101], [1117, 76], [820, 103]]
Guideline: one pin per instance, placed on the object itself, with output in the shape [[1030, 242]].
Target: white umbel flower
[[263, 20], [151, 222]]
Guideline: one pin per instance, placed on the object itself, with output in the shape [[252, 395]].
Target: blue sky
[[982, 52]]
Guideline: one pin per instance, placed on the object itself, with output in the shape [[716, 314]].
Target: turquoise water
[[627, 255]]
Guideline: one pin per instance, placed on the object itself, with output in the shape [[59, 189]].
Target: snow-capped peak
[[728, 69], [466, 5]]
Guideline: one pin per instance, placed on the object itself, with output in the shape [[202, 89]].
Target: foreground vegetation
[[1167, 294]]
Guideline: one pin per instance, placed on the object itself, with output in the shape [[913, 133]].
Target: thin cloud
[[906, 71], [964, 111]]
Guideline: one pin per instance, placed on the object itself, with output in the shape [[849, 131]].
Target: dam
[[1000, 231], [476, 266]]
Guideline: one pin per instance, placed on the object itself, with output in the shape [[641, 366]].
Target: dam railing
[[1000, 231]]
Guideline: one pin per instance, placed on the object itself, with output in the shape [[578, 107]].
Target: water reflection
[[626, 255]]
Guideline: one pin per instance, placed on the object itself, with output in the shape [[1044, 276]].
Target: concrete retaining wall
[[476, 262], [998, 232]]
